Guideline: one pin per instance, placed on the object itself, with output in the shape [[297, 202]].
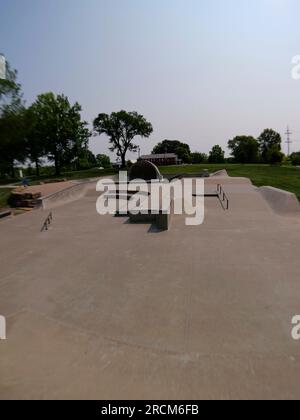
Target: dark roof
[[160, 156]]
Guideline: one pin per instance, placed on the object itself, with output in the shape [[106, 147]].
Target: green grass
[[283, 177], [4, 195], [91, 173]]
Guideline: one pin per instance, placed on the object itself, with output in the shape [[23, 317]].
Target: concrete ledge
[[142, 218], [161, 220], [5, 213], [282, 202]]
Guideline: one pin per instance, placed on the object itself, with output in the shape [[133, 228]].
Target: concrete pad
[[99, 308]]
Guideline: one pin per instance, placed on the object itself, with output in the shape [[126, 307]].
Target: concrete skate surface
[[97, 308]]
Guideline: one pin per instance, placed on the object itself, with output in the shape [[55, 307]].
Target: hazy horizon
[[200, 71]]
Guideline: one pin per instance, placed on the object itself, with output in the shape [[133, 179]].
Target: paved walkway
[[97, 308]]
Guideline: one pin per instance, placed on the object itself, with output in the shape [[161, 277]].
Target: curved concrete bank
[[227, 180], [282, 202], [70, 194], [67, 195], [62, 197], [223, 172]]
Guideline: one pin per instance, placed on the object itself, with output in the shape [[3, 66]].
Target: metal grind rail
[[47, 222], [223, 197]]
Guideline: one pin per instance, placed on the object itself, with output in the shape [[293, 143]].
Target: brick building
[[165, 159]]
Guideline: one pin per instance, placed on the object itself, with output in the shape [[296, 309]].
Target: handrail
[[223, 197], [47, 222]]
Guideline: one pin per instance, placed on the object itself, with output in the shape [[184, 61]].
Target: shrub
[[295, 159]]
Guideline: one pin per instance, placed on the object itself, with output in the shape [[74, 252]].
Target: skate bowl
[[282, 202]]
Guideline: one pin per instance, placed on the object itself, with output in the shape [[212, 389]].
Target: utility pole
[[288, 140]]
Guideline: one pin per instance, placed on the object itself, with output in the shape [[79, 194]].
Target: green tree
[[295, 159], [184, 155], [122, 128], [58, 124], [274, 155], [34, 144], [11, 122], [85, 160], [10, 89], [216, 155], [182, 150], [12, 147], [269, 139], [198, 158], [244, 149], [103, 161]]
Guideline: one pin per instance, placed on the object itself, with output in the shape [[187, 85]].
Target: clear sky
[[202, 71]]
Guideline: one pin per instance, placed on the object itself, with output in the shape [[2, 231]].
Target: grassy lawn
[[285, 178], [92, 173]]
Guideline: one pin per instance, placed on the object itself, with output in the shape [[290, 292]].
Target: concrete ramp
[[70, 194], [65, 196], [227, 180], [223, 172], [282, 202]]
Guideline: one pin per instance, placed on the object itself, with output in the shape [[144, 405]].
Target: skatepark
[[98, 308]]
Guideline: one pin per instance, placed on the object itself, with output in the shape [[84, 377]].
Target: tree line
[[244, 149], [184, 154], [52, 128]]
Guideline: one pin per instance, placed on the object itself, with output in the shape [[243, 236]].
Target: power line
[[288, 140]]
